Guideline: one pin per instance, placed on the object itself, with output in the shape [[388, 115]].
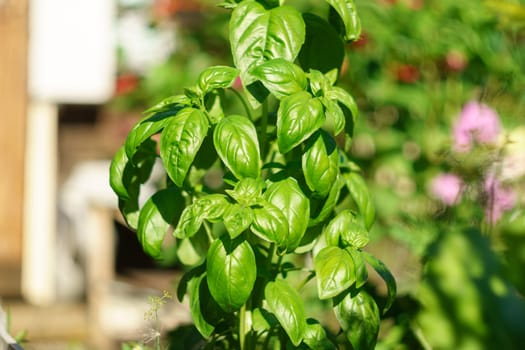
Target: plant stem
[[264, 127]]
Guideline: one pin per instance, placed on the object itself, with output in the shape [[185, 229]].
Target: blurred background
[[441, 140]]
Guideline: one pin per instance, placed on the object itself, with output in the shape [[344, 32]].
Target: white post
[[39, 241]]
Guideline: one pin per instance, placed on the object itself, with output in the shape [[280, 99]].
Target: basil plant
[[262, 200]]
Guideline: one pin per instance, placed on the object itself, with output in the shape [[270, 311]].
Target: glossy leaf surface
[[270, 224], [287, 306], [217, 77], [205, 313], [231, 272], [299, 116], [281, 77], [386, 275], [156, 217], [315, 336], [358, 316], [258, 35], [237, 219], [286, 195], [180, 142], [335, 271], [349, 228], [147, 128], [348, 13], [235, 139], [361, 273], [320, 163]]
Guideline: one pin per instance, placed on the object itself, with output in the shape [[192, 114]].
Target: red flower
[[406, 73], [126, 83]]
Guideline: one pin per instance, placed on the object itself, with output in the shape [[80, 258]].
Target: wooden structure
[[13, 102]]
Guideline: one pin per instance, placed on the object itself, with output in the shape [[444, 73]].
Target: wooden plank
[[13, 102]]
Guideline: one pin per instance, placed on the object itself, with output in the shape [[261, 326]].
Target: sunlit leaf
[[235, 139], [217, 77], [358, 316], [298, 117], [258, 35], [180, 142], [287, 306], [281, 77], [335, 271], [386, 275], [286, 195], [347, 11], [320, 163], [231, 272], [156, 217]]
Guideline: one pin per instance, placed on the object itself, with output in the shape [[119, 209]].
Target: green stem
[[306, 280], [271, 253], [244, 103], [264, 127], [242, 327]]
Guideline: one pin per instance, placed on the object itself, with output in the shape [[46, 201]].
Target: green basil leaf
[[342, 97], [319, 83], [286, 195], [231, 272], [237, 219], [235, 139], [320, 163], [183, 285], [147, 128], [126, 177], [315, 336], [287, 306], [263, 320], [280, 77], [361, 273], [386, 275], [328, 204], [192, 251], [247, 191], [169, 103], [118, 176], [212, 207], [348, 227], [217, 77], [190, 222], [298, 117], [347, 11], [358, 316], [270, 224], [323, 48], [204, 311], [335, 117], [258, 35], [180, 141], [156, 217], [359, 192], [335, 271], [213, 105]]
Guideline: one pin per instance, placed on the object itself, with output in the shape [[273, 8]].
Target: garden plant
[[261, 194]]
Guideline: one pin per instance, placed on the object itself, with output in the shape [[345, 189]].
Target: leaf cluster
[[287, 192]]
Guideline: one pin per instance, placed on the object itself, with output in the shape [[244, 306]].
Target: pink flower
[[447, 187], [477, 123], [499, 199]]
